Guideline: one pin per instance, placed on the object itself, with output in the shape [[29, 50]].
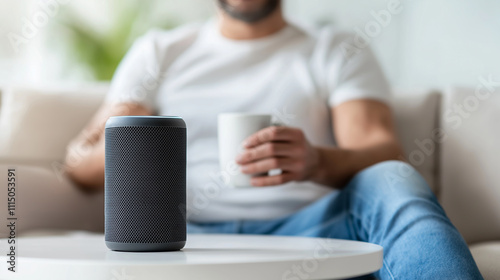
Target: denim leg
[[391, 204], [327, 217], [231, 227], [388, 204]]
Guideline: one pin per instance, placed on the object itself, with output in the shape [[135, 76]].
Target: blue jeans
[[388, 204]]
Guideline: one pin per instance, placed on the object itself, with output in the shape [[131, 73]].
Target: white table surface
[[218, 257]]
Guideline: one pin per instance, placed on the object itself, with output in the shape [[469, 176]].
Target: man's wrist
[[320, 171], [332, 168]]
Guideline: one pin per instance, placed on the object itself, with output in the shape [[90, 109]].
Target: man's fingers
[[265, 165], [272, 180], [273, 133], [267, 150]]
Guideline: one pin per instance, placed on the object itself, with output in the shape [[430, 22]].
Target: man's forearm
[[87, 170], [85, 157], [337, 166]]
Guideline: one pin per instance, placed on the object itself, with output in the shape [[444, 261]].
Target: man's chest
[[264, 84]]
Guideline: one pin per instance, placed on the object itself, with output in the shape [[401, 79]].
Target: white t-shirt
[[296, 74]]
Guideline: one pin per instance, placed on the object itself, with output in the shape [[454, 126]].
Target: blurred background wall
[[428, 43]]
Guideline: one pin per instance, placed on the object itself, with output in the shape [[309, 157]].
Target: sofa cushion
[[470, 162], [416, 114], [37, 124], [487, 256], [1, 100], [45, 200]]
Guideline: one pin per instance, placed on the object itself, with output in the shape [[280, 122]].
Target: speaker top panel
[[125, 121]]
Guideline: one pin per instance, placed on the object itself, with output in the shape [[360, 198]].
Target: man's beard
[[250, 16]]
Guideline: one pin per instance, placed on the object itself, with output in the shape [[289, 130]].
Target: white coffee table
[[218, 257]]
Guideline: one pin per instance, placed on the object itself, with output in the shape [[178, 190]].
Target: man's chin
[[250, 11]]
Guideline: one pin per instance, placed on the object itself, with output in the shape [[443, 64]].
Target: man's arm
[[365, 135], [84, 162]]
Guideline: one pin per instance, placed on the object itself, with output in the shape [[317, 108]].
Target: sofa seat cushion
[[487, 256], [46, 200]]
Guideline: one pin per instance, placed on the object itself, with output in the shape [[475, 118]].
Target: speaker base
[[145, 247]]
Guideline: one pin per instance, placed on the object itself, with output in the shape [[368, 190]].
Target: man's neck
[[239, 30]]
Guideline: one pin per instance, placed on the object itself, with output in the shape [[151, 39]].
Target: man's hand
[[282, 148], [365, 135]]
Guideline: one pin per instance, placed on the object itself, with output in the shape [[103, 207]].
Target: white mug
[[234, 129]]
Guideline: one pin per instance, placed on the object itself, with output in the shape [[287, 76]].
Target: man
[[338, 150]]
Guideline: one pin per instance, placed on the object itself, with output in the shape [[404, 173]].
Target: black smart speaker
[[145, 183]]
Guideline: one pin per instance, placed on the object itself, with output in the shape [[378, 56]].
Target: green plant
[[101, 52]]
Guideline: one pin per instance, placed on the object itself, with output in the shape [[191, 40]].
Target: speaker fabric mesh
[[145, 193]]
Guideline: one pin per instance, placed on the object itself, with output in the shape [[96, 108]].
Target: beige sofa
[[451, 138]]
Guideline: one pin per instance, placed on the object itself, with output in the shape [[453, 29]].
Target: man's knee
[[391, 178], [393, 167], [389, 189]]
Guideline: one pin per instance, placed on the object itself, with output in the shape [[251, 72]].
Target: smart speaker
[[145, 183]]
